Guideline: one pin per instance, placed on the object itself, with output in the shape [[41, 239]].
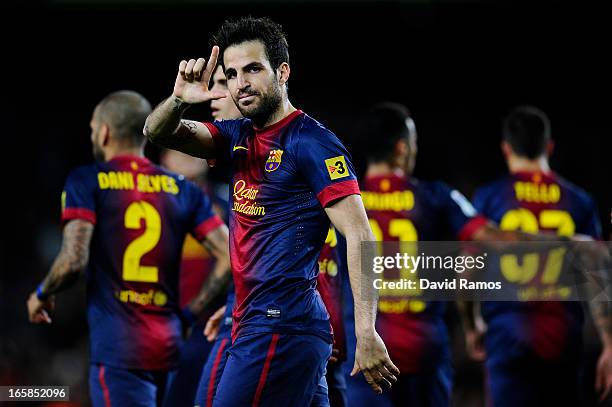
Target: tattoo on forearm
[[183, 134], [72, 258], [212, 288]]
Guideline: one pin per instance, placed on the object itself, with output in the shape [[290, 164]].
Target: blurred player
[[288, 172], [533, 349], [403, 208], [125, 222], [219, 326]]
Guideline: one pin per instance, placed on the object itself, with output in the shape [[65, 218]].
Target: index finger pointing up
[[211, 64]]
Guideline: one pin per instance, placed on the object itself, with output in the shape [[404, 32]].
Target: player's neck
[[136, 151], [285, 109], [522, 164], [382, 169]]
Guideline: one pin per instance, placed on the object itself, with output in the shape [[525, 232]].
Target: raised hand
[[191, 85], [372, 359]]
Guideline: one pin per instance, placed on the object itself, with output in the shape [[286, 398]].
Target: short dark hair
[[125, 112], [527, 130], [382, 126], [271, 34]]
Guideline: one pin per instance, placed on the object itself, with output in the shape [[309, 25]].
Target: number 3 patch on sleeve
[[336, 167]]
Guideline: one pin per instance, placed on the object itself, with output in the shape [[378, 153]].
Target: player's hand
[[213, 325], [372, 359], [191, 85], [603, 378], [474, 344], [38, 311], [334, 356]]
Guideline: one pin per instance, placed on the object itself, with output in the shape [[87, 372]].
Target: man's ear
[[104, 134], [401, 147], [284, 72]]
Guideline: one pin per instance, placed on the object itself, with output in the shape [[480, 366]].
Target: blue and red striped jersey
[[536, 202], [142, 214], [332, 269], [405, 209], [283, 176]]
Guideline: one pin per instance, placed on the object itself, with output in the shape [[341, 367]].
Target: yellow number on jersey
[[132, 270], [405, 231], [524, 220]]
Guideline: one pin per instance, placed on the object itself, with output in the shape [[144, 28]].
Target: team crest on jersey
[[274, 160]]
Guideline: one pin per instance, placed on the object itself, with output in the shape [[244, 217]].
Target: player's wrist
[[40, 293], [179, 104], [365, 332]]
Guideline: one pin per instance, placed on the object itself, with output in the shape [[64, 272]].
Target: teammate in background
[[403, 208], [219, 326], [125, 222], [332, 272], [533, 349], [288, 173]]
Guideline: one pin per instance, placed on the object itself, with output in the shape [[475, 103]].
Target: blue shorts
[[275, 370], [116, 387], [182, 388], [211, 373], [431, 388]]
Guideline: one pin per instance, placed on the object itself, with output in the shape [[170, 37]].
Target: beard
[[268, 104]]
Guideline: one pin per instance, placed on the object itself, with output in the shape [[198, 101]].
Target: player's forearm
[[71, 260], [364, 294], [601, 311], [217, 244], [213, 287], [162, 126], [504, 239], [467, 314]]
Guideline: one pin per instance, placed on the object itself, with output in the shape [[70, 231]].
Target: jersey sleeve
[[461, 215], [204, 218], [224, 132], [78, 196], [591, 225], [326, 166]]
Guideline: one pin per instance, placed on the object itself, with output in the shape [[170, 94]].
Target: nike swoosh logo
[[240, 148]]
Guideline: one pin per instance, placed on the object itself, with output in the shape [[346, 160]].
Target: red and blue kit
[[405, 209], [535, 346], [331, 272], [142, 214], [283, 176]]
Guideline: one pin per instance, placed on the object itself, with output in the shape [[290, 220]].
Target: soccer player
[[290, 176], [125, 220], [331, 270], [403, 208], [533, 348]]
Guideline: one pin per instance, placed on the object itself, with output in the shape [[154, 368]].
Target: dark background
[[458, 66]]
